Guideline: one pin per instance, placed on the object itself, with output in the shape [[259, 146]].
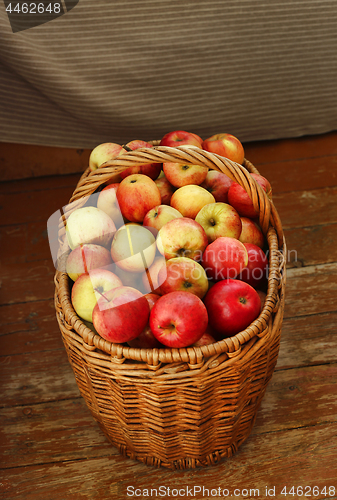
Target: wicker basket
[[177, 408]]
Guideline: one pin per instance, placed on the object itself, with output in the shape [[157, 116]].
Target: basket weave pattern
[[187, 407]]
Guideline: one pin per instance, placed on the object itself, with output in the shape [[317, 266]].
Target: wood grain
[[271, 459]]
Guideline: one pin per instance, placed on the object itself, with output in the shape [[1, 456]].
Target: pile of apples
[[170, 256]]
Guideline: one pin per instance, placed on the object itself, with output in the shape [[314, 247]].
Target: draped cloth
[[116, 71]]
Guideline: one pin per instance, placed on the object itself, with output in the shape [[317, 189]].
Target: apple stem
[[101, 294]]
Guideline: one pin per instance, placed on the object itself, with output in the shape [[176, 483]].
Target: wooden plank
[[307, 246], [311, 290], [24, 242], [262, 152], [15, 205], [307, 341], [36, 377], [27, 281], [29, 327], [300, 457], [307, 208], [40, 183], [28, 160], [65, 430], [298, 398], [50, 432], [300, 175]]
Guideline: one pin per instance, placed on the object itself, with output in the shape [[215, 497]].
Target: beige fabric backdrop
[[116, 70]]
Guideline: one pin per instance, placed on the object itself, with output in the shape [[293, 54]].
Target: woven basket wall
[[177, 408]]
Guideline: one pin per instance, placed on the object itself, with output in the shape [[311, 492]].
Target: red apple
[[146, 340], [256, 271], [206, 339], [232, 306], [180, 138], [262, 296], [136, 195], [152, 170], [218, 185], [152, 299], [179, 174], [86, 257], [224, 258], [219, 219], [251, 233], [88, 288], [182, 237], [240, 200], [121, 314], [158, 216], [226, 145], [104, 152], [166, 190], [183, 274], [178, 319], [190, 199]]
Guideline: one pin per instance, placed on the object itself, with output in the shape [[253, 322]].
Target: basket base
[[184, 463]]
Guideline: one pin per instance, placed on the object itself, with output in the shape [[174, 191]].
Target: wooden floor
[[51, 448]]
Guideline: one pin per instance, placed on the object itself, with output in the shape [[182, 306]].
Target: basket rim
[[193, 356]]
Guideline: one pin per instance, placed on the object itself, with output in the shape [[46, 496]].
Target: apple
[[129, 278], [179, 174], [86, 257], [190, 199], [226, 145], [232, 306], [264, 183], [145, 339], [158, 216], [218, 184], [183, 274], [262, 296], [224, 258], [206, 339], [121, 314], [150, 278], [241, 201], [152, 299], [88, 288], [104, 152], [182, 237], [107, 201], [180, 138], [256, 271], [219, 219], [152, 170], [178, 319], [133, 248], [89, 225], [251, 232], [165, 188], [136, 195]]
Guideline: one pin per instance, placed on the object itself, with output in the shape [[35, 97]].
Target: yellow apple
[[189, 200]]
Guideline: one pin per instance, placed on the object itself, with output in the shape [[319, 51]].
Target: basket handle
[[90, 181]]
